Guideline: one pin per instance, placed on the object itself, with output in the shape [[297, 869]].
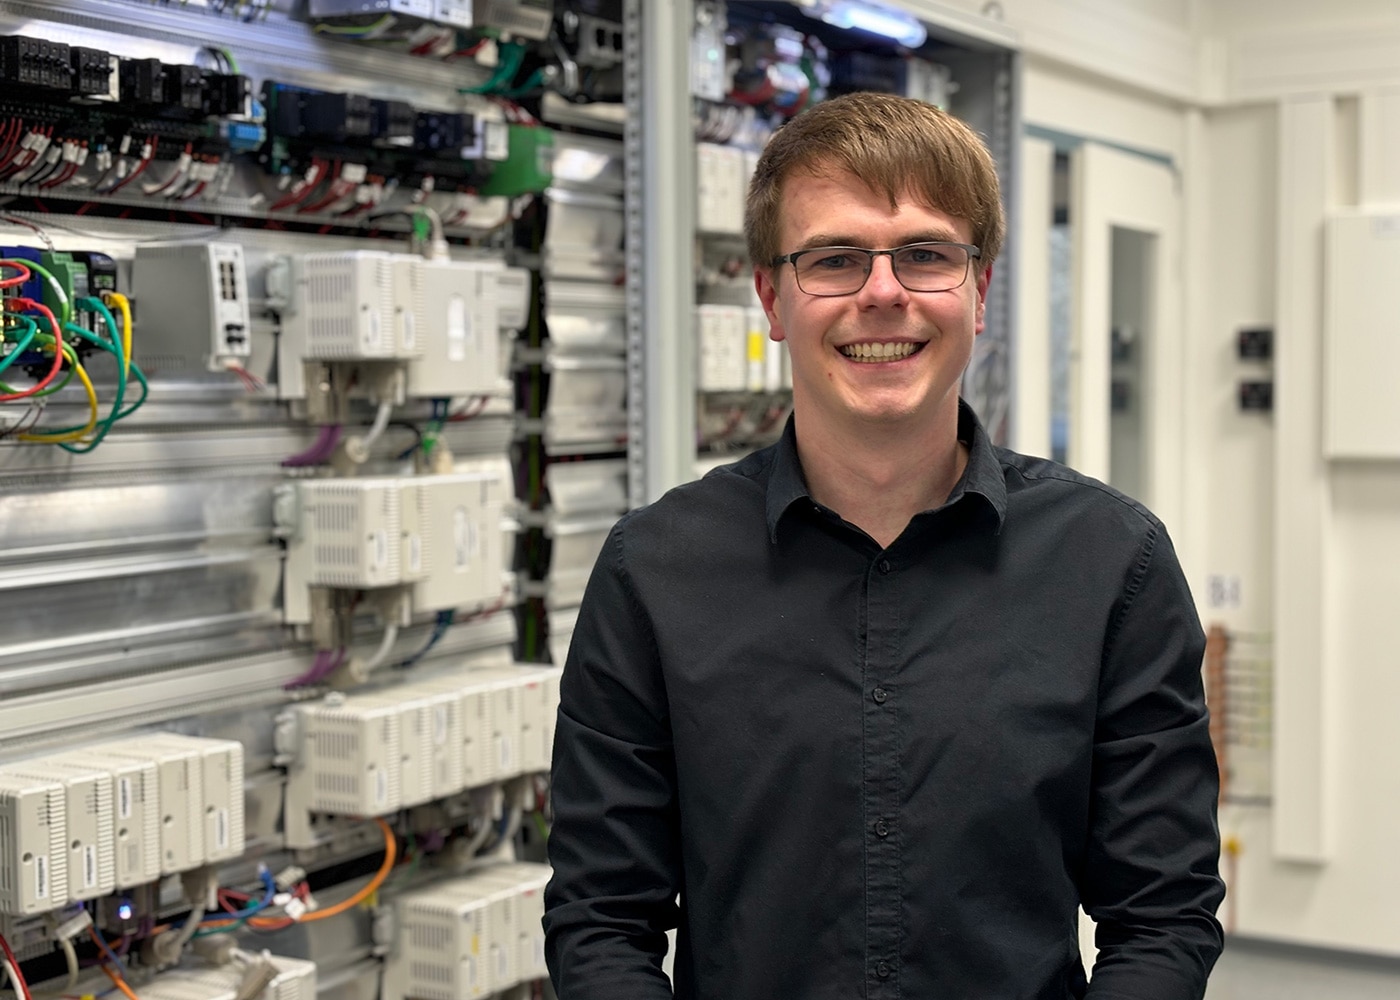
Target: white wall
[[1252, 257]]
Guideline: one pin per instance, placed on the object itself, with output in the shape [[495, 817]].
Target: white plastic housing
[[295, 980], [539, 709], [136, 810], [463, 553], [33, 845], [180, 793], [341, 307], [722, 338], [88, 819], [349, 762], [442, 947], [221, 783], [350, 533], [460, 340]]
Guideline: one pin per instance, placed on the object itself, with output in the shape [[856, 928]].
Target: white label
[[221, 829], [469, 973], [381, 788], [41, 876], [1386, 226], [497, 141], [415, 553], [440, 724], [502, 963], [507, 753], [458, 328], [464, 540], [410, 331], [373, 333], [89, 866], [124, 798]]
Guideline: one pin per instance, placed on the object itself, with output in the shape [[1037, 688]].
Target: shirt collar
[[982, 480]]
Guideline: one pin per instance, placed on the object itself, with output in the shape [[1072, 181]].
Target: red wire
[[140, 167], [57, 349], [21, 987], [339, 190], [300, 193], [12, 282], [15, 126]]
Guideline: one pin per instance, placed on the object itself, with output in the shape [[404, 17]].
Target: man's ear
[[765, 284], [984, 279]]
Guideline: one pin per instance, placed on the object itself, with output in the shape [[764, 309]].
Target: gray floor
[[1250, 970]]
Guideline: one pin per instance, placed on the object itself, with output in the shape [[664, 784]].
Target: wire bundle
[[24, 336]]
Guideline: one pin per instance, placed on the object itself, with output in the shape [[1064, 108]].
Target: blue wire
[[252, 909]]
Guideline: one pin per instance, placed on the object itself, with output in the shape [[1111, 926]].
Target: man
[[882, 704]]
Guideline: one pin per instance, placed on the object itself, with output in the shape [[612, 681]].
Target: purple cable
[[319, 452], [325, 664]]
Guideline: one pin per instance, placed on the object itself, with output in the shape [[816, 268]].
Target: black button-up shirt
[[885, 773]]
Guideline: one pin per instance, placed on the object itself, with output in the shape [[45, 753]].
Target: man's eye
[[924, 255], [836, 261]]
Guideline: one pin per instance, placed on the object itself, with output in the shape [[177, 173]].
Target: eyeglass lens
[[919, 267]]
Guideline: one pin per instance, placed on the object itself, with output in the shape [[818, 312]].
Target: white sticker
[[497, 141], [502, 963], [381, 788], [469, 968], [373, 334], [41, 876], [1223, 591], [415, 553], [410, 331], [124, 798], [221, 830], [507, 753], [458, 328], [89, 866], [440, 724], [464, 542]]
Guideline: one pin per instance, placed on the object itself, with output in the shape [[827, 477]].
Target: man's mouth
[[888, 351]]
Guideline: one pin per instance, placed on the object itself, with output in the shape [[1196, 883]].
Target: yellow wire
[[123, 304], [39, 437]]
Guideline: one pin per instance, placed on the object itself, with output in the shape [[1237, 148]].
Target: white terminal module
[[339, 306], [221, 784], [490, 700], [349, 533], [180, 794], [539, 711], [33, 845], [461, 544], [460, 321], [430, 740], [137, 814], [88, 819], [350, 758], [442, 947], [295, 979], [409, 289], [526, 882], [192, 303]]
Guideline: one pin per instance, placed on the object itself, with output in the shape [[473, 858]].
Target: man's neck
[[878, 479]]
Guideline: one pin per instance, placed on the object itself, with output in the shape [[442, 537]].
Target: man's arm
[[1151, 873], [615, 843]]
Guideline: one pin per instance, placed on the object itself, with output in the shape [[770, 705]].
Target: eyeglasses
[[919, 267]]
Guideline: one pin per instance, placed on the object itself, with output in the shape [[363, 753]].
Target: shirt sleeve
[[1151, 877], [615, 844]]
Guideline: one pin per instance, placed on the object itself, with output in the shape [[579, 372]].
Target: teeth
[[878, 352]]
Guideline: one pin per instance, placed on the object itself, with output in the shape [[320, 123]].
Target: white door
[[1128, 349]]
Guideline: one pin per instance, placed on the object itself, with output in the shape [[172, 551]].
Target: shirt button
[[880, 695], [884, 566], [882, 829], [882, 970]]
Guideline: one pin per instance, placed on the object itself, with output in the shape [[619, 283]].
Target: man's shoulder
[[725, 493], [1033, 481]]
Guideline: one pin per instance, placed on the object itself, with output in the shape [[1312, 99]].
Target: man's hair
[[896, 145]]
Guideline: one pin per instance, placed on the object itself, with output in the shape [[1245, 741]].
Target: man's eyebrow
[[846, 240]]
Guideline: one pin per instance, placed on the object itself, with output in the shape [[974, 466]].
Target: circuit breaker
[[88, 819], [33, 844], [191, 297]]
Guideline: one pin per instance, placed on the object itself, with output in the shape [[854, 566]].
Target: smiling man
[[872, 712]]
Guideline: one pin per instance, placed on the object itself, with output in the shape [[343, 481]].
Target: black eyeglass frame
[[973, 253]]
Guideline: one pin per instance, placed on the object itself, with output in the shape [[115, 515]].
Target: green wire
[[506, 68], [65, 307], [116, 349], [232, 62], [356, 30], [540, 825], [231, 928], [45, 340], [23, 344]]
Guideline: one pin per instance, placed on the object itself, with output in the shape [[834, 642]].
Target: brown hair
[[896, 145]]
